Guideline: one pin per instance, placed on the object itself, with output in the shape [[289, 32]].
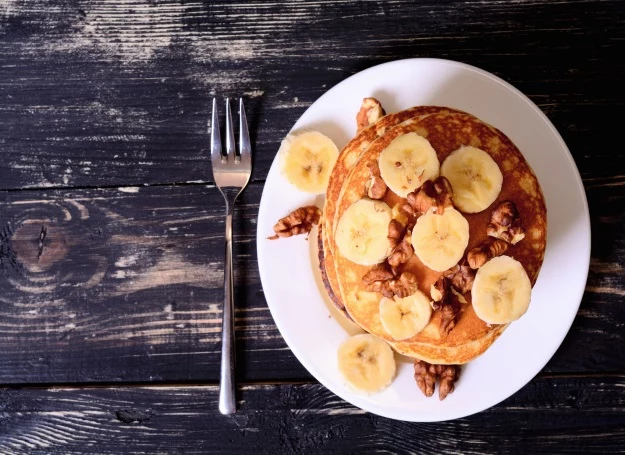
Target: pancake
[[348, 157], [446, 132]]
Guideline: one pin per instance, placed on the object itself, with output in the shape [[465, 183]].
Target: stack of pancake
[[446, 130]]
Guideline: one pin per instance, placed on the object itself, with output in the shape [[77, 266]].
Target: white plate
[[288, 268]]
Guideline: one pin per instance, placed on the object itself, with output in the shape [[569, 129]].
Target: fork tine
[[216, 156], [245, 149], [230, 147]]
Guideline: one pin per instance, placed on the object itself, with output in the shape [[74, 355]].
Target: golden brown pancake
[[446, 132]]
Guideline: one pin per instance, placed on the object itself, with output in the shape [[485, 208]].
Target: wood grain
[[562, 414], [124, 284], [111, 232], [99, 93]]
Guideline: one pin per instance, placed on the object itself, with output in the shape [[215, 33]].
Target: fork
[[231, 172]]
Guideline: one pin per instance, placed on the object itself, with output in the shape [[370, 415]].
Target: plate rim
[[586, 225]]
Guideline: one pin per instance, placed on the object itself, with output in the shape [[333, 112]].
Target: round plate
[[288, 267]]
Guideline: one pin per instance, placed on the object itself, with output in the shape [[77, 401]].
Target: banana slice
[[439, 241], [361, 233], [307, 160], [407, 162], [501, 291], [404, 318], [367, 363], [475, 178]]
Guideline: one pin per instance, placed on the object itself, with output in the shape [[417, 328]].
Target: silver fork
[[231, 173]]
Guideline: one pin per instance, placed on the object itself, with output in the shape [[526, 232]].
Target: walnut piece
[[447, 377], [401, 253], [439, 292], [437, 193], [377, 280], [480, 255], [376, 187], [404, 286], [370, 112], [427, 374], [450, 310], [297, 222], [505, 223], [396, 232], [448, 304], [379, 272], [461, 277]]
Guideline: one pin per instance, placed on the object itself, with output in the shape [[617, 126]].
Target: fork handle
[[227, 388]]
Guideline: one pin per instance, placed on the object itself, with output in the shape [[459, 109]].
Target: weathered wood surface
[[104, 280], [551, 415], [124, 284], [118, 93]]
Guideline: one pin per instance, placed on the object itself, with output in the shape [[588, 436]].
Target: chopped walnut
[[404, 286], [377, 280], [437, 193], [480, 255], [505, 223], [439, 292], [376, 187], [427, 374], [410, 214], [379, 272], [401, 253], [370, 112], [297, 222], [396, 232], [461, 277], [448, 304], [449, 314]]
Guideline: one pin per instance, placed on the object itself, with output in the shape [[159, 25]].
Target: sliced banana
[[307, 160], [361, 233], [439, 241], [367, 363], [407, 162], [475, 178], [501, 291], [404, 318]]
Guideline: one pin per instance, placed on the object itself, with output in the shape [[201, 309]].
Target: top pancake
[[347, 158], [446, 133]]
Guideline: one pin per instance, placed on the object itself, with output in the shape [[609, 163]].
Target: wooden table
[[111, 229]]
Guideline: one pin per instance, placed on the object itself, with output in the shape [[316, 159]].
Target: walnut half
[[437, 193], [370, 112], [461, 277], [426, 375], [396, 232], [505, 223], [299, 221], [447, 303], [376, 187], [480, 255], [401, 253]]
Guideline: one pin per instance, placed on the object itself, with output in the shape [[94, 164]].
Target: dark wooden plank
[[98, 94], [550, 415], [125, 285]]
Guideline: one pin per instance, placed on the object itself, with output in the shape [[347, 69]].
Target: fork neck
[[230, 195]]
